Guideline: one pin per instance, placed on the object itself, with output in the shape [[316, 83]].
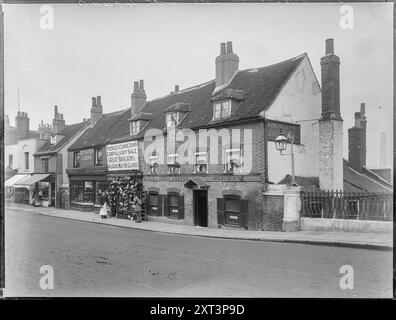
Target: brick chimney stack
[[357, 140], [58, 123], [96, 109], [138, 97], [330, 123], [227, 64], [22, 125]]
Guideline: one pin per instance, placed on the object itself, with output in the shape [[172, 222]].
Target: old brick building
[[240, 111]]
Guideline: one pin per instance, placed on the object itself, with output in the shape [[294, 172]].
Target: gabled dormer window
[[172, 119], [53, 139], [221, 109], [134, 127]]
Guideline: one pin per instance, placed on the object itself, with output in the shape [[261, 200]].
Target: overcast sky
[[101, 49]]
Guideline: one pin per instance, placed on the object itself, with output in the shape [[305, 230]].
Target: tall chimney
[[227, 64], [22, 125], [330, 123], [138, 97], [96, 109], [58, 122], [357, 141]]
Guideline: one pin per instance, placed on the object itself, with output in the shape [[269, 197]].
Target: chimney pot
[[141, 85], [135, 86], [229, 46], [363, 109], [55, 111], [177, 88], [93, 102], [98, 100], [329, 46], [222, 48]]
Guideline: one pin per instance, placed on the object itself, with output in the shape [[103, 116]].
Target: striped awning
[[32, 179], [15, 179]]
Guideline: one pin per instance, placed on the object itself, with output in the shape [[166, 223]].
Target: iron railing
[[347, 205]]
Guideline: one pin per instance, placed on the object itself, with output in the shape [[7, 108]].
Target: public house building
[[170, 144]]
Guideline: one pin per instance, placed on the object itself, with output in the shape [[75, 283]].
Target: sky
[[101, 49]]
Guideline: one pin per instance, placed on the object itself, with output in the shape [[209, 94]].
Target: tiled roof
[[68, 132], [355, 181], [258, 87], [109, 126]]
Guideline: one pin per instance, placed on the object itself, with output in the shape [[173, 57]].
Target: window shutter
[[181, 207], [244, 213], [220, 211], [166, 207]]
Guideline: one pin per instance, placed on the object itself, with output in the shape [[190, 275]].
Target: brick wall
[[330, 155]]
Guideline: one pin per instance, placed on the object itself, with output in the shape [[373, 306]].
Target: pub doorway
[[200, 205]]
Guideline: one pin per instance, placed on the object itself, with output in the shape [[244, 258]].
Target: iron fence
[[347, 205]]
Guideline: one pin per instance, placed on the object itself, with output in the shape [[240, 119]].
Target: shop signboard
[[275, 128], [122, 156]]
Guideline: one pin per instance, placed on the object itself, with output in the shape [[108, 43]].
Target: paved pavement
[[373, 240], [92, 259]]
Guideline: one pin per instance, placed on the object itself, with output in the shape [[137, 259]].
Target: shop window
[[76, 159], [45, 165], [233, 160], [98, 157], [100, 187], [173, 164], [153, 165], [26, 160], [201, 162], [221, 110], [82, 192]]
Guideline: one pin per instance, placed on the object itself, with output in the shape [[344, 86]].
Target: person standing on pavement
[[103, 205], [138, 208]]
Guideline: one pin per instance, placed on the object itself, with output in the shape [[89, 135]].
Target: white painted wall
[[300, 99], [64, 153], [31, 146]]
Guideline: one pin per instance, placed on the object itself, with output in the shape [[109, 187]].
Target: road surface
[[99, 260]]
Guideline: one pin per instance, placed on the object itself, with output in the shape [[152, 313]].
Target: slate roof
[[68, 132]]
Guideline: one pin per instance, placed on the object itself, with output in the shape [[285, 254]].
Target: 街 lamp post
[[281, 144]]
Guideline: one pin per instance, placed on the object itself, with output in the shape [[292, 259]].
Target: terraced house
[[241, 112]]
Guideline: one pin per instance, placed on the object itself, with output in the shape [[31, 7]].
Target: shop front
[[37, 189]]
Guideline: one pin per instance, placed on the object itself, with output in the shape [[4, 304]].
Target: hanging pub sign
[[274, 128], [122, 156]]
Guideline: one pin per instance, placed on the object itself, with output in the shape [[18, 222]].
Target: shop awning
[[196, 183], [15, 179], [33, 179]]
